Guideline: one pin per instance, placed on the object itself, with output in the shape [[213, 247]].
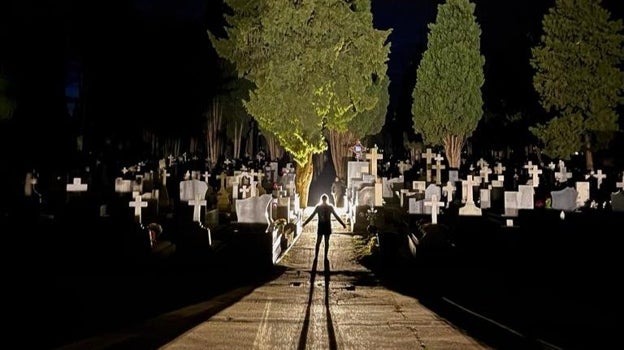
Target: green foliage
[[561, 135], [371, 121], [313, 64], [447, 95], [578, 76]]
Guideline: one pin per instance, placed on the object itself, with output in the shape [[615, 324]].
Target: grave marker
[[435, 207], [197, 203], [373, 156], [138, 205]]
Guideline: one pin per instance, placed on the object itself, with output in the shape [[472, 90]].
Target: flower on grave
[[279, 224], [370, 214]]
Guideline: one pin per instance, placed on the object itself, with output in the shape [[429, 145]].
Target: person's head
[[324, 198]]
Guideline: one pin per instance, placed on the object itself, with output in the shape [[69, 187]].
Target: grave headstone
[[617, 201], [434, 207], [564, 199], [254, 209], [373, 157]]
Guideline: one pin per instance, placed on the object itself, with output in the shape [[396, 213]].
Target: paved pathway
[[331, 306]]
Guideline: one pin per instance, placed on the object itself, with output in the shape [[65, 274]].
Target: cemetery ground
[[546, 283]]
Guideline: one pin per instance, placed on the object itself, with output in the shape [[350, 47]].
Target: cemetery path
[[335, 305]]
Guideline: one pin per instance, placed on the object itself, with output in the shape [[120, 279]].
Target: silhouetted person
[[324, 211], [338, 190]]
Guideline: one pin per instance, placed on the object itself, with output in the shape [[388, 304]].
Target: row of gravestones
[[558, 192], [131, 194]]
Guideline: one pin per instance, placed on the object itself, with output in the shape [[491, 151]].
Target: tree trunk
[[589, 158], [453, 146], [303, 178], [339, 143]]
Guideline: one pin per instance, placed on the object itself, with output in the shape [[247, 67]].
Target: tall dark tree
[[447, 97], [578, 78]]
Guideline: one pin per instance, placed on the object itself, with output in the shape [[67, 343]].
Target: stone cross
[[76, 186], [599, 176], [469, 184], [374, 157], [438, 168], [449, 189], [403, 166], [235, 184], [245, 191], [499, 169], [187, 175], [534, 171], [429, 157], [138, 205], [164, 175], [171, 159], [254, 188], [485, 173], [481, 163], [206, 175], [562, 175], [197, 203], [435, 206]]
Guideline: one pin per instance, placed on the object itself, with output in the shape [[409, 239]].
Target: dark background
[[113, 67]]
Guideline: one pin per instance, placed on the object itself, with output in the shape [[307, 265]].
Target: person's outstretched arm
[[310, 217]]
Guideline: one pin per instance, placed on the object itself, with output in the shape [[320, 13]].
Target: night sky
[[115, 66]]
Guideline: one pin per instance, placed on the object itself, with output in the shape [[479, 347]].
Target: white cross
[[551, 166], [171, 159], [435, 206], [534, 171], [562, 175], [206, 175], [481, 163], [138, 205], [599, 176], [499, 169], [449, 189], [374, 157], [245, 190], [76, 186], [429, 156], [197, 203], [469, 184], [124, 170], [164, 175], [438, 168], [485, 173]]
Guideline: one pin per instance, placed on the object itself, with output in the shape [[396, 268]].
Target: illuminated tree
[[313, 65], [578, 78], [447, 96]]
